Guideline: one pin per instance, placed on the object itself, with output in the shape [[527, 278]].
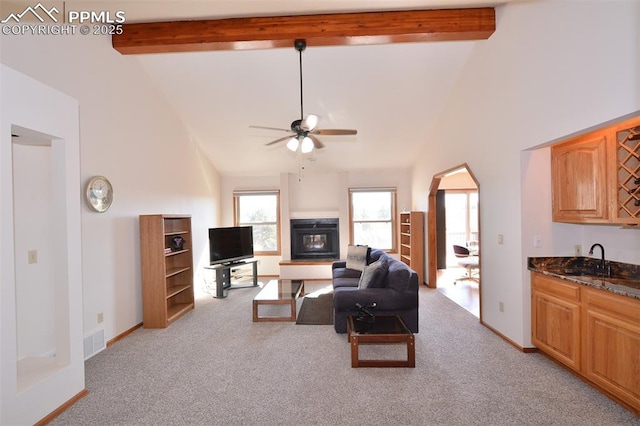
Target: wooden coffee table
[[387, 329], [278, 292]]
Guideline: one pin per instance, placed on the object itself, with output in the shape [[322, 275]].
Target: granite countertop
[[624, 279]]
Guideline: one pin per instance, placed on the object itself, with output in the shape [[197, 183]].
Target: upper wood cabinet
[[626, 179], [579, 179], [595, 177]]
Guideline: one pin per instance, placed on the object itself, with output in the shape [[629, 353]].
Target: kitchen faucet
[[603, 269]]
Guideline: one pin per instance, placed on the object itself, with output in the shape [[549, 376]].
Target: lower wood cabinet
[[556, 319], [593, 332], [612, 344]]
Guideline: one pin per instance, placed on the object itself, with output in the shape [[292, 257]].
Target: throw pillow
[[357, 257], [373, 275]]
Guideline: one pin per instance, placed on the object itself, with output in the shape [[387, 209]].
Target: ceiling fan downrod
[[300, 45]]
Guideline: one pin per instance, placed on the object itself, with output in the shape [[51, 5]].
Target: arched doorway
[[456, 182]]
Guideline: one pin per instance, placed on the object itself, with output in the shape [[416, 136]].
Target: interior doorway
[[453, 220]]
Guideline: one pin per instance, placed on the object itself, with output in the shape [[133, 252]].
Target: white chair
[[465, 260]]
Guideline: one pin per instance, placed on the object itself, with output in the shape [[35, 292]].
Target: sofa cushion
[[345, 273], [375, 254], [374, 275], [345, 282], [399, 276], [357, 257]]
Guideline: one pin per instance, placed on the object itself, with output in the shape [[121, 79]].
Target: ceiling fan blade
[[310, 122], [278, 140], [335, 132], [316, 142], [271, 128]]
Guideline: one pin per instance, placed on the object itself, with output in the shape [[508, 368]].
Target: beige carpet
[[215, 366]]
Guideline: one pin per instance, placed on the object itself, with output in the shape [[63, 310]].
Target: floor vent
[[93, 344]]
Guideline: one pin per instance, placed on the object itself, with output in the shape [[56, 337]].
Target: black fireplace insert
[[315, 239]]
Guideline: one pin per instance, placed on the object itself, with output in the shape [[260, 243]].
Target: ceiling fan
[[303, 131]]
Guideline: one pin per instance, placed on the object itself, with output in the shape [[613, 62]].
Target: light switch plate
[[537, 241]]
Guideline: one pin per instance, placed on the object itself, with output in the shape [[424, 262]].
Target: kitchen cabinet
[[595, 177], [612, 344], [593, 332], [555, 320], [579, 179], [626, 185]]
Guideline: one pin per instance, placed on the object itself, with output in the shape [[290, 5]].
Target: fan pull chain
[[300, 167]]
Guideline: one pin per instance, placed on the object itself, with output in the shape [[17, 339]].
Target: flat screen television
[[231, 244]]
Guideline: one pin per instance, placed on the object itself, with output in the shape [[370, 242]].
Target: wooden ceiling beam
[[317, 30]]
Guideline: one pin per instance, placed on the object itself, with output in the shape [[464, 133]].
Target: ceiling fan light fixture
[[293, 144], [307, 145], [310, 122]]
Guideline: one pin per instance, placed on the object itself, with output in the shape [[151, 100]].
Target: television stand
[[228, 278]]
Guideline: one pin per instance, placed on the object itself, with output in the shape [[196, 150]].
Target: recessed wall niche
[[38, 283]]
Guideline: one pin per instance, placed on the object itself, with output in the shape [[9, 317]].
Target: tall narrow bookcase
[[167, 269], [412, 241]]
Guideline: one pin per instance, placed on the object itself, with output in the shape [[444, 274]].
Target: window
[[260, 209], [373, 218]]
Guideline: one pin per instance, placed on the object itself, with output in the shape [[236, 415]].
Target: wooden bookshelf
[[412, 241], [167, 273]]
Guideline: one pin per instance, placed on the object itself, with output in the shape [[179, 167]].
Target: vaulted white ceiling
[[392, 94]]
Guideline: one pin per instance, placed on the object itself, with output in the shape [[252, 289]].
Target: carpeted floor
[[215, 366]]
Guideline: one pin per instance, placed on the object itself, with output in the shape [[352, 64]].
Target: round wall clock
[[99, 193]]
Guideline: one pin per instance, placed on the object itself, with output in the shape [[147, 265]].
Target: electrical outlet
[[100, 317], [577, 250], [32, 256], [500, 238], [501, 306]]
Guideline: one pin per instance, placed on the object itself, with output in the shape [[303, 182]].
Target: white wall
[[129, 134], [545, 73], [318, 194]]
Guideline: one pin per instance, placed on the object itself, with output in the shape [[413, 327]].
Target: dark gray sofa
[[395, 294]]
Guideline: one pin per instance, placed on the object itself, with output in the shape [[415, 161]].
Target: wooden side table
[[387, 329]]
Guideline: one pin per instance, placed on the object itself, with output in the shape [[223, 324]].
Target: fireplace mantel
[[324, 214]]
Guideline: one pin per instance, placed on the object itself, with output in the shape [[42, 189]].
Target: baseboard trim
[[124, 334], [511, 342], [61, 409]]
